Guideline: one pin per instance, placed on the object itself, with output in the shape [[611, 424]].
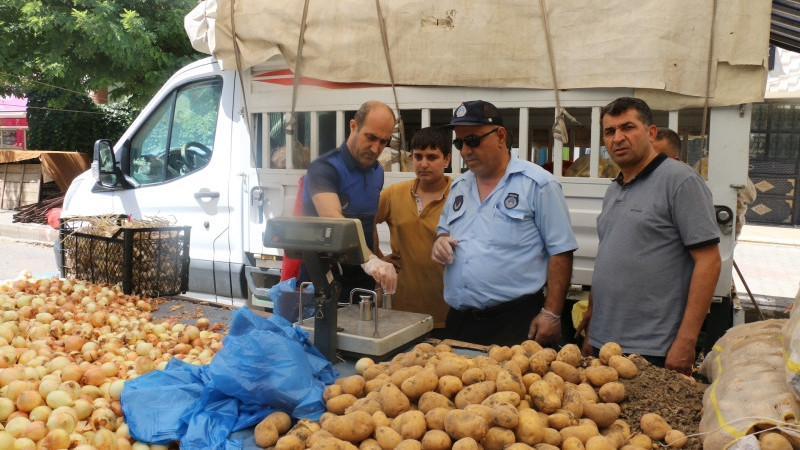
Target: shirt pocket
[[508, 224]]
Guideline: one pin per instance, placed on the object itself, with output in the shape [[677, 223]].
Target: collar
[[351, 163], [661, 157]]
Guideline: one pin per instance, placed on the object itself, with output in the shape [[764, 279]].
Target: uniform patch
[[461, 111], [458, 203], [344, 200], [511, 201]]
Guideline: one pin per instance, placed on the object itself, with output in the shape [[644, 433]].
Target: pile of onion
[[66, 349]]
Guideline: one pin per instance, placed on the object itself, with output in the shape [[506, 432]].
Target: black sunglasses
[[471, 140]]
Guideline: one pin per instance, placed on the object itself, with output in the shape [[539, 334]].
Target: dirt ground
[[677, 398]]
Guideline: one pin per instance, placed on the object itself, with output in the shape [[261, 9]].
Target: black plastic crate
[[149, 261]]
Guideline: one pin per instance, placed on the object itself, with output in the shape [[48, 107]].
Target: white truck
[[201, 152]]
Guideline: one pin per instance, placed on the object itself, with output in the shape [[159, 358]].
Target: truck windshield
[[178, 138]]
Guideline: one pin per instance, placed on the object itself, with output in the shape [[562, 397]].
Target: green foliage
[[76, 124], [130, 47]]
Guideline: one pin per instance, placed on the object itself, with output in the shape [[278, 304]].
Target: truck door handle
[[200, 195]]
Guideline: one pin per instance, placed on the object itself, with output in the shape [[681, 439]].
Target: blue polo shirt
[[504, 244], [358, 189]]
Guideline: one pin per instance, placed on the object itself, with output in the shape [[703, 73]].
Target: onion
[[94, 376], [56, 438], [6, 408], [6, 440], [36, 430], [17, 425], [40, 413], [23, 443], [60, 419], [59, 398], [83, 408], [27, 400], [115, 389], [10, 374], [73, 343], [203, 323]]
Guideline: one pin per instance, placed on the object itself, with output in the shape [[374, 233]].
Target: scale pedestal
[[322, 243], [395, 329]]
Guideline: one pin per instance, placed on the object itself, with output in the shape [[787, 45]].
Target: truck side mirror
[[104, 165]]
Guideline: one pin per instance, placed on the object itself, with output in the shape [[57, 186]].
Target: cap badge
[[461, 111]]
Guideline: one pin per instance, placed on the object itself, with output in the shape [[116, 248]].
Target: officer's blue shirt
[[358, 189], [505, 243]]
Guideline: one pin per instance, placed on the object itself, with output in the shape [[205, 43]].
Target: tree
[[79, 46]]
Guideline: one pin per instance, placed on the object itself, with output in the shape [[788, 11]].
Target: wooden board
[[20, 184]]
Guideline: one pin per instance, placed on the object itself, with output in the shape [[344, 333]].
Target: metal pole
[[747, 288]]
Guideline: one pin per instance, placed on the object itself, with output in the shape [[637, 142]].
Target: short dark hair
[[622, 104], [671, 136], [432, 137]]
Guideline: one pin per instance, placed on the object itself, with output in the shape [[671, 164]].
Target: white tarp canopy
[[660, 48]]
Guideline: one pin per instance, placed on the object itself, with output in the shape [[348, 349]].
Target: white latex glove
[[383, 272], [442, 252]]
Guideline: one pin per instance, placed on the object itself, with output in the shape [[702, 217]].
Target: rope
[[559, 126], [399, 124], [291, 124], [238, 56], [708, 82]]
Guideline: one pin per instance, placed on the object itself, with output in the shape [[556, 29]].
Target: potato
[[529, 378], [561, 419], [769, 441], [620, 427], [599, 443], [505, 415], [416, 385], [362, 364], [265, 433], [459, 423], [474, 393], [641, 440], [676, 439], [545, 446], [490, 371], [603, 414], [552, 437], [556, 381], [353, 385], [473, 375], [369, 444], [613, 392], [466, 443], [338, 404], [540, 361], [497, 438], [398, 376], [332, 443], [430, 400], [654, 426], [483, 411], [452, 365], [616, 439], [519, 446], [368, 404], [379, 419], [624, 366], [572, 401], [387, 437], [583, 432], [352, 427], [436, 440], [544, 397], [410, 424], [521, 361], [393, 401], [500, 353], [572, 443], [409, 444], [290, 442], [508, 380], [502, 397], [375, 383], [570, 354], [530, 429], [608, 349], [281, 420], [566, 371], [449, 385], [587, 392], [317, 436], [373, 371], [531, 346], [600, 375], [434, 418], [332, 390]]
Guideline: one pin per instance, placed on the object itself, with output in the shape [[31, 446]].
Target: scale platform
[[395, 330]]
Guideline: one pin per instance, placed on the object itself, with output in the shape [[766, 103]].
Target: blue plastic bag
[[264, 366], [286, 300]]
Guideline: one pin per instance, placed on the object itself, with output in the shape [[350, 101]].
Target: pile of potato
[[518, 397]]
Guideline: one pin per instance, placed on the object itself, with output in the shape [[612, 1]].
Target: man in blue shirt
[[503, 235], [346, 182]]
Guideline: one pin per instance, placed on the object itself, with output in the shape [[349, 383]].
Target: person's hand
[[383, 272], [394, 260], [586, 347], [442, 252], [680, 358], [545, 327]]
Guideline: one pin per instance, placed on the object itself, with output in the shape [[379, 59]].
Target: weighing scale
[[322, 244]]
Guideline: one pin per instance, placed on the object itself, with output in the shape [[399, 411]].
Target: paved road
[[25, 255]]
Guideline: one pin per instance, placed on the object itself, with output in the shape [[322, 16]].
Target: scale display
[[340, 238]]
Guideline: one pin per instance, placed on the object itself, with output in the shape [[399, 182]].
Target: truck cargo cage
[[148, 261]]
